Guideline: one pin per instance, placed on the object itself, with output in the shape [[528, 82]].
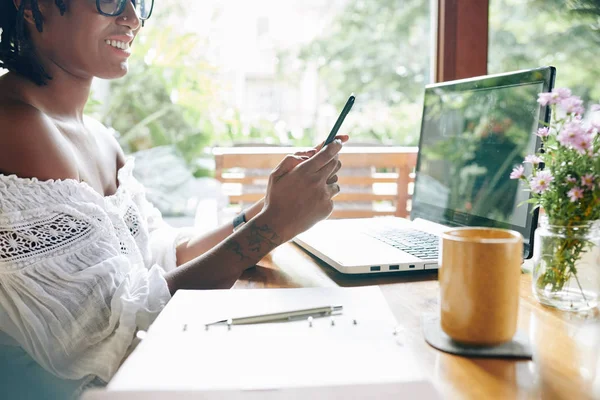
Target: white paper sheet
[[179, 354]]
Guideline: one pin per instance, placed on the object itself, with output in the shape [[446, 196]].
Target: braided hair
[[16, 50]]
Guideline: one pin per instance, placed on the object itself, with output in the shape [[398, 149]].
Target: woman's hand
[[333, 178], [343, 138], [301, 189], [300, 156], [299, 195]]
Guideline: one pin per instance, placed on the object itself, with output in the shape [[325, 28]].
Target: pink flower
[[571, 133], [570, 179], [543, 132], [572, 105], [546, 98], [583, 144], [575, 194], [555, 97], [518, 172], [562, 93], [588, 180], [541, 182], [595, 107], [533, 159]]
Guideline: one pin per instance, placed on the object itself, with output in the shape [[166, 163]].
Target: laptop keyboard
[[416, 243]]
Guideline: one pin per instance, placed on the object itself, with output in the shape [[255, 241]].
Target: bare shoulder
[[31, 145], [107, 136]]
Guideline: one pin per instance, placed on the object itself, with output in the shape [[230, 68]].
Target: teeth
[[117, 44]]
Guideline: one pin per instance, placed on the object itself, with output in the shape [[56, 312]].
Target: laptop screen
[[473, 133]]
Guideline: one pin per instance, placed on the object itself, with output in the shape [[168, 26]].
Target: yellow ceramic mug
[[479, 278]]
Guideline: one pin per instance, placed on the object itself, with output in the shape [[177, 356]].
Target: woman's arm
[[221, 265], [199, 245], [287, 211]]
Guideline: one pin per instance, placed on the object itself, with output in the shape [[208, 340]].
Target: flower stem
[[581, 289]]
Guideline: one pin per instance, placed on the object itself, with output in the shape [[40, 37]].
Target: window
[[533, 33], [271, 72]]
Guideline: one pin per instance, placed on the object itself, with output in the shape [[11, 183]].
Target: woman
[[85, 260]]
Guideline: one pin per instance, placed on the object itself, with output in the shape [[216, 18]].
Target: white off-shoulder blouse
[[80, 272]]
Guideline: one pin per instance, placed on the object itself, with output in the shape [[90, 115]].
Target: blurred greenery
[[379, 49], [562, 33], [168, 94]]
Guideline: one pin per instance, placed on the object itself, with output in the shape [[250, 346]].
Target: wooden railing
[[375, 181]]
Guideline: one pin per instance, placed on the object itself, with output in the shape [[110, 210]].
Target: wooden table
[[566, 346]]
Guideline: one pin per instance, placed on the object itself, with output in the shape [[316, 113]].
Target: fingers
[[343, 138], [336, 169], [330, 169], [287, 164], [325, 155], [333, 189], [332, 179], [307, 153]]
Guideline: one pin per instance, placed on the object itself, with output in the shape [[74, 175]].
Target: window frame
[[462, 39]]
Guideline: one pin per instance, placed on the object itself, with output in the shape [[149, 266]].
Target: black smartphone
[[340, 120]]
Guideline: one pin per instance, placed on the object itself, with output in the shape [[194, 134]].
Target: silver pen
[[282, 316]]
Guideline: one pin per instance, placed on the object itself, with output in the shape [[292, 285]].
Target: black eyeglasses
[[112, 8]]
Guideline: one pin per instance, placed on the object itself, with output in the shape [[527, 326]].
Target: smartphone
[[340, 120]]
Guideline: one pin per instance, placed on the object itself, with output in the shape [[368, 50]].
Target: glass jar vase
[[566, 265]]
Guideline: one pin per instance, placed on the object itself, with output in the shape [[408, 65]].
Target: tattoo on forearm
[[262, 234], [259, 238], [236, 248]]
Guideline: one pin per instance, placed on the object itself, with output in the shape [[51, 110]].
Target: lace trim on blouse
[[80, 272]]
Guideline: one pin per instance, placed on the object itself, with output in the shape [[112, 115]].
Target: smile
[[118, 44]]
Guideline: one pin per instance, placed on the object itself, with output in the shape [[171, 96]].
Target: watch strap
[[239, 220]]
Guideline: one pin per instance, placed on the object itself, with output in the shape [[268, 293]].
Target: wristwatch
[[239, 221]]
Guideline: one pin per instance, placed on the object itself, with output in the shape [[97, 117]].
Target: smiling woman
[[85, 259], [21, 49]]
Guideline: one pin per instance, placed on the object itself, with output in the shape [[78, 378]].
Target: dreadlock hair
[[16, 50]]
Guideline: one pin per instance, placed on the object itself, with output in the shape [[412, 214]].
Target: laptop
[[473, 133]]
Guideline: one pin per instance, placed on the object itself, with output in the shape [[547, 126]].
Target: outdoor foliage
[[379, 49], [534, 33], [167, 96]]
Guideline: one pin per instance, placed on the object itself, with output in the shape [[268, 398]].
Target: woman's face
[[83, 42]]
